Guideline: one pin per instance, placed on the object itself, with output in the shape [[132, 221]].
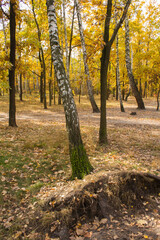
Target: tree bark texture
[[12, 104], [129, 68], [89, 83], [78, 157]]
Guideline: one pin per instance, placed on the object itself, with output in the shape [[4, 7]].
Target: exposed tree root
[[101, 197]]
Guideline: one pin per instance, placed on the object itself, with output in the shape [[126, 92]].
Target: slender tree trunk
[[128, 94], [20, 87], [158, 99], [54, 90], [41, 80], [89, 83], [105, 63], [117, 68], [118, 77], [65, 34], [50, 86], [129, 69], [78, 157], [41, 53], [145, 90], [140, 87], [4, 32], [123, 90], [71, 37], [116, 86], [12, 104]]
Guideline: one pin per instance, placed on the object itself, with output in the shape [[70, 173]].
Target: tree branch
[[6, 14], [107, 21], [120, 21]]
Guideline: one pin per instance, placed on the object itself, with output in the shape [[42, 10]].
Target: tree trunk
[[20, 87], [65, 35], [123, 90], [12, 105], [118, 77], [105, 63], [71, 37], [129, 69], [117, 68], [89, 83], [41, 56], [116, 86], [78, 157], [158, 99], [50, 86], [128, 94], [5, 38]]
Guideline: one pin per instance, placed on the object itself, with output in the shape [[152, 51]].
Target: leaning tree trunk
[[12, 105], [135, 91], [89, 83], [78, 157], [117, 69]]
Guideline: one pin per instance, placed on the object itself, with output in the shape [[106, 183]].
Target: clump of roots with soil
[[99, 195]]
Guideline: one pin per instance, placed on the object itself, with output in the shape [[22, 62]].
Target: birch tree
[[133, 85], [89, 83], [78, 157]]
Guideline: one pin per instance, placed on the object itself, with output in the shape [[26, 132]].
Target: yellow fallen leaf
[[145, 236]]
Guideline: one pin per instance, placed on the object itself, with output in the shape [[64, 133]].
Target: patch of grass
[[33, 189], [31, 145]]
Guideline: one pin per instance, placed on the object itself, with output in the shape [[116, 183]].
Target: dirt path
[[147, 117]]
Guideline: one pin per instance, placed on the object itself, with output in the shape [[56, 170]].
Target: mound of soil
[[106, 206]]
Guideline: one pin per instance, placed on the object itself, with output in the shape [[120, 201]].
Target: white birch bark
[[89, 83], [79, 160]]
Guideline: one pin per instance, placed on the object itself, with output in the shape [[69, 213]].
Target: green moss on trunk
[[80, 162]]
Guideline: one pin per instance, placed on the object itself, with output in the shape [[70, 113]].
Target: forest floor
[[35, 166]]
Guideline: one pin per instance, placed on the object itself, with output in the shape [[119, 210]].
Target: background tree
[[136, 93], [89, 83]]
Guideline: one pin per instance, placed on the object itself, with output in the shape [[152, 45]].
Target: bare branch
[[6, 14]]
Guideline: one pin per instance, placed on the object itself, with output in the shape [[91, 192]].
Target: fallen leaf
[[88, 234], [142, 222], [79, 232], [103, 221]]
